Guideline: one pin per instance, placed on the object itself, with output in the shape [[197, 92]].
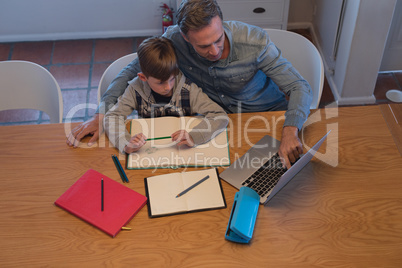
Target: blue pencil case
[[242, 218]]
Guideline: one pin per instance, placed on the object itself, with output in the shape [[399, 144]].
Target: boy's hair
[[157, 58], [194, 15]]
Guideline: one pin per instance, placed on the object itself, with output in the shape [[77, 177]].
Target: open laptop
[[260, 168]]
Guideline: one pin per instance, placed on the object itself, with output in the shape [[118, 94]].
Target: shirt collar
[[232, 54]]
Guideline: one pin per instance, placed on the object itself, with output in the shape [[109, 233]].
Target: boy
[[160, 89]]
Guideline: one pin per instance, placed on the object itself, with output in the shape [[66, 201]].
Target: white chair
[[112, 71], [27, 85], [304, 56]]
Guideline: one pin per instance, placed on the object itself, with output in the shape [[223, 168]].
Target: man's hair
[[157, 58], [193, 15]]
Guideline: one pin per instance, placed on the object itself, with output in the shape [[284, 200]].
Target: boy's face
[[164, 88]]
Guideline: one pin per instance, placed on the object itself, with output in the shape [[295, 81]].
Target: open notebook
[[163, 153], [162, 192]]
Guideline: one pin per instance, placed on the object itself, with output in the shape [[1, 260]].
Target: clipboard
[[242, 218]]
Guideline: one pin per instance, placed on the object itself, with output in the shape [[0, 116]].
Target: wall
[[300, 13], [353, 74], [32, 20], [391, 60], [325, 22], [352, 69]]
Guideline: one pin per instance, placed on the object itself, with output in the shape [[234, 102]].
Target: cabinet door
[[263, 13]]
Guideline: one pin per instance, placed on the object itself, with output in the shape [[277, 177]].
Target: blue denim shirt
[[248, 80]]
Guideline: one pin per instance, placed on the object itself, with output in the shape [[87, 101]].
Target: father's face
[[209, 41]]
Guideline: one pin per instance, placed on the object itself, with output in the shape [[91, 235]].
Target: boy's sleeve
[[115, 118], [215, 118]]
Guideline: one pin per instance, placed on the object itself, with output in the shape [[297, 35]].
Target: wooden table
[[343, 209]]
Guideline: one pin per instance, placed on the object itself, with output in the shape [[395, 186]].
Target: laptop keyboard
[[266, 177]]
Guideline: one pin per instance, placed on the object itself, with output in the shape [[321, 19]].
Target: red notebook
[[83, 199]]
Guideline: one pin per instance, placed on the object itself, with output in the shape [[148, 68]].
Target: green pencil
[[159, 138]]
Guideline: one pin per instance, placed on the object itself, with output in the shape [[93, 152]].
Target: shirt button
[[190, 68], [222, 96]]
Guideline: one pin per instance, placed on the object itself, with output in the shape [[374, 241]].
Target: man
[[234, 63]]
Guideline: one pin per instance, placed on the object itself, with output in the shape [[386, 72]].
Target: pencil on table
[[192, 186], [159, 138], [120, 169], [102, 195]]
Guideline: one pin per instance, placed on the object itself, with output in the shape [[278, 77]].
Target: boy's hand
[[182, 137], [135, 143]]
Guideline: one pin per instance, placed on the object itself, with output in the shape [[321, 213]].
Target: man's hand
[[93, 126], [182, 137], [291, 147]]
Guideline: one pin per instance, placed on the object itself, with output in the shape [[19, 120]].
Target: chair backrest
[[27, 85], [304, 56], [112, 71]]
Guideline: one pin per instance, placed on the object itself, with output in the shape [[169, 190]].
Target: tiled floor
[[78, 66]]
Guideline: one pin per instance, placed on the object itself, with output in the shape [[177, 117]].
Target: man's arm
[[288, 79], [300, 95], [118, 86], [94, 126]]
